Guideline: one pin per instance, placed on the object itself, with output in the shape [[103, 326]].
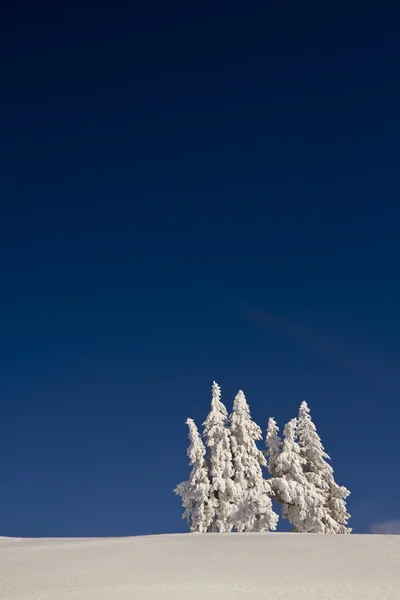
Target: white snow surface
[[202, 566]]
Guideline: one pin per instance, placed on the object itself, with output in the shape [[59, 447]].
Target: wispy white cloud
[[326, 343], [387, 527]]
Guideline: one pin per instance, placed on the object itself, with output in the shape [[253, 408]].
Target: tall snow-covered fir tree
[[254, 510], [320, 474], [217, 436], [301, 503], [196, 493]]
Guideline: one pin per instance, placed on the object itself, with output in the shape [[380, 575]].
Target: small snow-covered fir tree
[[320, 474], [301, 503], [217, 436], [254, 510], [196, 492]]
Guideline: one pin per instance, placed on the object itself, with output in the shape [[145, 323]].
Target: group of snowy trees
[[226, 490]]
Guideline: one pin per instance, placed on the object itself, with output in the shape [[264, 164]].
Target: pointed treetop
[[240, 403], [216, 391], [241, 418], [304, 410], [290, 461], [309, 439], [272, 426], [218, 415], [196, 450], [289, 430], [272, 438], [216, 403]]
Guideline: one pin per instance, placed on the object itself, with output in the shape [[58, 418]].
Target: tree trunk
[[213, 527]]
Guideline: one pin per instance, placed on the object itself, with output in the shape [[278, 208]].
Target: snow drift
[[202, 566]]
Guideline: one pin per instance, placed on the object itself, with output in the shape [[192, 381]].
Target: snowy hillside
[[202, 566]]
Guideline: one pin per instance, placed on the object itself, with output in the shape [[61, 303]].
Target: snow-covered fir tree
[[320, 473], [196, 493], [217, 436], [254, 510], [301, 503]]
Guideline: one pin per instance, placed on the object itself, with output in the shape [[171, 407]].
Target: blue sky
[[189, 194]]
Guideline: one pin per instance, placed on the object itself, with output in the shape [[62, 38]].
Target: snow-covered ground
[[202, 566]]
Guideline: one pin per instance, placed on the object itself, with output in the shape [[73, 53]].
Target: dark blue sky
[[188, 193]]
